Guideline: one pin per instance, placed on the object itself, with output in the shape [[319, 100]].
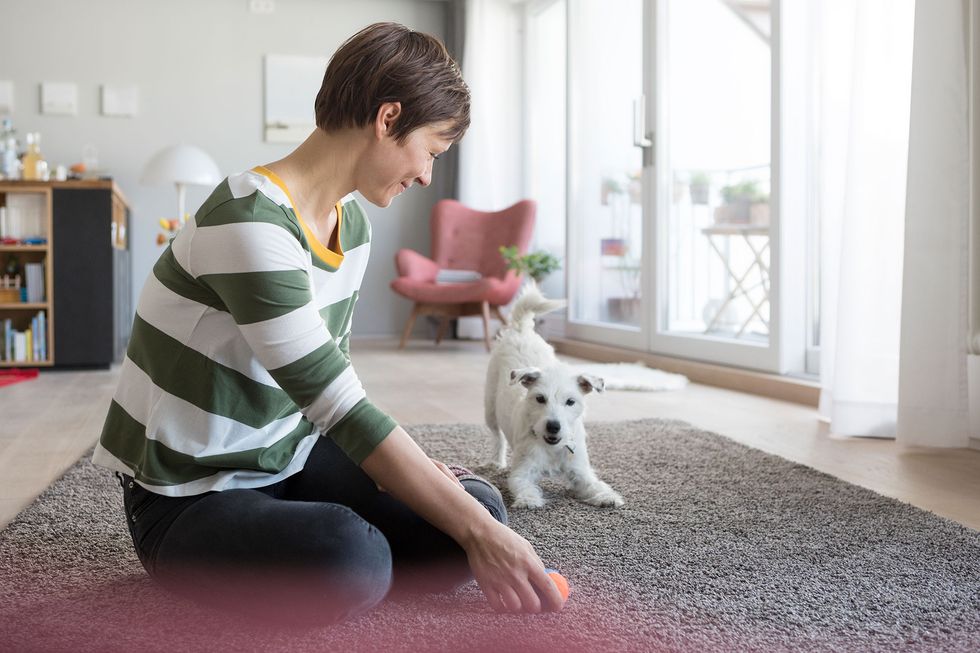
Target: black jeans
[[317, 547]]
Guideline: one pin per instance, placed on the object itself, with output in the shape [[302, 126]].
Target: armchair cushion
[[414, 266]]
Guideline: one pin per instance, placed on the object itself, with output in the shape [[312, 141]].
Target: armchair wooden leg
[[443, 323], [409, 325], [499, 315], [486, 324]]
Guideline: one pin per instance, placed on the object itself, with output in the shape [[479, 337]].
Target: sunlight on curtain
[[490, 155], [490, 170], [864, 52], [934, 388]]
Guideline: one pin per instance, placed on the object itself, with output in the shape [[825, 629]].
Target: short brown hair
[[387, 62]]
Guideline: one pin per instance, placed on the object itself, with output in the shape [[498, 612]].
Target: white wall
[[198, 65]]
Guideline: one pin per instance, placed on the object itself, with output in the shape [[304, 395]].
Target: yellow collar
[[324, 253]]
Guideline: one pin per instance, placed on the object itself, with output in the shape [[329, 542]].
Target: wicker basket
[[9, 295]]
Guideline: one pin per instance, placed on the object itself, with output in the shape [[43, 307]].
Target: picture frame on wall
[[291, 85]]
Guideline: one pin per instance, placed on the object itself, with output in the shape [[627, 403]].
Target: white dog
[[535, 405]]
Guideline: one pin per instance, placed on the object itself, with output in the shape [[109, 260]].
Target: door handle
[[642, 138]]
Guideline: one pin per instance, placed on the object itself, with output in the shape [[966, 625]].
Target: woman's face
[[392, 167]]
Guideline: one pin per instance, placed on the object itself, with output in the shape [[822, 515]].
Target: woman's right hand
[[508, 571], [503, 563]]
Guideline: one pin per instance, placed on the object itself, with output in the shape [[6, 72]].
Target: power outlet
[[262, 6]]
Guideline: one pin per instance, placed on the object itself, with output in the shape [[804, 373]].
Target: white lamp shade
[[181, 164]]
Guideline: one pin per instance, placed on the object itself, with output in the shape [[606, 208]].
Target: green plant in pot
[[700, 187], [536, 265], [739, 200]]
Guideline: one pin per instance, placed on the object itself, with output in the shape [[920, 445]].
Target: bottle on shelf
[[9, 162], [34, 164]]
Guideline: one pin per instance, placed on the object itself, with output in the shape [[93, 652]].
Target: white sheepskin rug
[[634, 376]]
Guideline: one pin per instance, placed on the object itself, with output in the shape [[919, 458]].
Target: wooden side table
[[756, 237]]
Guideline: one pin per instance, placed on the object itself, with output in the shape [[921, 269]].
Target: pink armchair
[[464, 239]]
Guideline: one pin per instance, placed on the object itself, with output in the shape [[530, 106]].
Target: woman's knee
[[342, 568], [489, 496], [355, 568]]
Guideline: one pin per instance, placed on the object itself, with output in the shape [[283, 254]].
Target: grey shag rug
[[719, 548]]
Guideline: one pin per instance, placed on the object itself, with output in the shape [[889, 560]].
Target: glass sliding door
[[676, 175], [605, 171], [714, 178]]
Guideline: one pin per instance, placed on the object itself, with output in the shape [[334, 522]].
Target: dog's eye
[[570, 402], [541, 399]]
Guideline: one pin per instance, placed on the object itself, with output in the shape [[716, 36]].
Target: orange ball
[[559, 582]]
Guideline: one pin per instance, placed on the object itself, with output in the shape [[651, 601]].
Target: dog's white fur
[[534, 404]]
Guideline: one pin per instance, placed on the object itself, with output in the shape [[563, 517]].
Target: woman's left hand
[[442, 467]]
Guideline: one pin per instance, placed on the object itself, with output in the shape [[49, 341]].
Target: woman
[[256, 474]]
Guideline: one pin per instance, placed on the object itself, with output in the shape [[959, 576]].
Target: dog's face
[[554, 400]]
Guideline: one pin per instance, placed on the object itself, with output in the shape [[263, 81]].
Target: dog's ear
[[526, 376], [587, 383]]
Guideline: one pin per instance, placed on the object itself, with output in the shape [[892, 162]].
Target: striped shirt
[[239, 356]]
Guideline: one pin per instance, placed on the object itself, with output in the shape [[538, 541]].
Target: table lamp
[[181, 165]]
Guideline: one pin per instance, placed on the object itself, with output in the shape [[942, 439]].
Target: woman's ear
[[386, 117]]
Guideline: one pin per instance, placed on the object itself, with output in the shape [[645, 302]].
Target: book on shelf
[[29, 346], [35, 340], [35, 282], [42, 319], [20, 346]]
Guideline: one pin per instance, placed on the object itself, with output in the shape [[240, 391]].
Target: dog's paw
[[528, 502], [604, 497], [613, 499]]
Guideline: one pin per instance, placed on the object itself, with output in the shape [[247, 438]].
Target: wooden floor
[[46, 424]]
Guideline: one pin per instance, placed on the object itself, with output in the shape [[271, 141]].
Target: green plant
[[746, 191], [615, 185], [700, 187], [699, 178], [537, 265]]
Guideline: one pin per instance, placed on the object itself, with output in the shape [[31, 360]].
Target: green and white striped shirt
[[239, 357]]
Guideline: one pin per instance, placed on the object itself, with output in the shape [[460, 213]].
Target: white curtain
[[934, 390], [864, 53], [491, 154]]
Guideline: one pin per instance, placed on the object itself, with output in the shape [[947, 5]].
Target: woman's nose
[[426, 177]]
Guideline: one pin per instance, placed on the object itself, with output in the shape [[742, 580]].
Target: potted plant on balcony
[[700, 187], [743, 203]]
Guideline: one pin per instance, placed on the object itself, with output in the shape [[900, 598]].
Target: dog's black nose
[[553, 426]]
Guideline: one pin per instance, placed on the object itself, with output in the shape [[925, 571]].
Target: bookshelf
[[27, 213], [85, 256]]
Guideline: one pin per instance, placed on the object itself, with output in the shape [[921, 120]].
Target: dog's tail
[[530, 303]]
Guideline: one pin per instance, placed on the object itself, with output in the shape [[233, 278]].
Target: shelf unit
[[21, 313], [86, 273]]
